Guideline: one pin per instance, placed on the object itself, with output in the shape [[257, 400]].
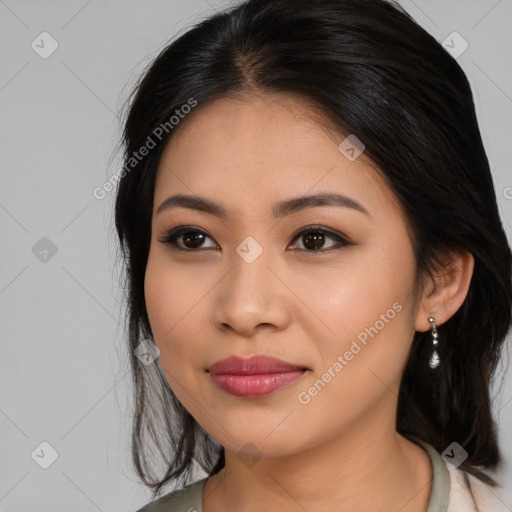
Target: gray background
[[63, 370]]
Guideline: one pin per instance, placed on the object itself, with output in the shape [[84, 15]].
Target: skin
[[248, 153]]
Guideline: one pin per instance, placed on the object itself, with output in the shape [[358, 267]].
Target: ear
[[443, 296]]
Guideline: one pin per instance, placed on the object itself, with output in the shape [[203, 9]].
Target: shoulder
[[187, 499], [470, 494]]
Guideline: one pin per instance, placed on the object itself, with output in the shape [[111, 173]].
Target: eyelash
[[174, 234]]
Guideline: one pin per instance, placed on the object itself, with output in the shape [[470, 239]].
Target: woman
[[313, 249]]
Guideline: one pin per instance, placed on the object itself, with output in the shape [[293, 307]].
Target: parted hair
[[371, 70]]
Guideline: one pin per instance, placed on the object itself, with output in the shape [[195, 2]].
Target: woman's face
[[247, 283]]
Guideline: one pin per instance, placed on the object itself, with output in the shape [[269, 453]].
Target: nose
[[251, 297]]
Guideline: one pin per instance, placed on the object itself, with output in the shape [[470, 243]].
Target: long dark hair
[[374, 72]]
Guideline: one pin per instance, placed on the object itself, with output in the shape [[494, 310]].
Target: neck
[[365, 470]]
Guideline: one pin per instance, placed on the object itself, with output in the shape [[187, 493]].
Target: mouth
[[255, 376]]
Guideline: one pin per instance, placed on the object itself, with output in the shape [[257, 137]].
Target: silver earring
[[434, 358]]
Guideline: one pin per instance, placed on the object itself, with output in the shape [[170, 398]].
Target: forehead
[[254, 147]]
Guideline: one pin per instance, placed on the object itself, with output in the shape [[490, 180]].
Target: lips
[[252, 366], [255, 376]]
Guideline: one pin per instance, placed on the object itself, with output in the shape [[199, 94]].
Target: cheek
[[368, 313], [361, 288], [173, 302], [365, 307]]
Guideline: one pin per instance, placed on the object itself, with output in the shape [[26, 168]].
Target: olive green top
[[190, 498]]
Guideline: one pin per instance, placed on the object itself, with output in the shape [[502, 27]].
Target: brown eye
[[313, 240], [193, 239], [186, 238]]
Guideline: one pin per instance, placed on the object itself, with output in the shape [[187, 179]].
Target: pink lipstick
[[254, 376]]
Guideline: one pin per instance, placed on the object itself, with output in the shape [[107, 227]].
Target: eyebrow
[[279, 210]]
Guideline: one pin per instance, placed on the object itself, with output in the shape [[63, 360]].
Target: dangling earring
[[434, 359]]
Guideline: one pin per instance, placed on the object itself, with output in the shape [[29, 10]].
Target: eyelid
[[340, 239], [173, 234]]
